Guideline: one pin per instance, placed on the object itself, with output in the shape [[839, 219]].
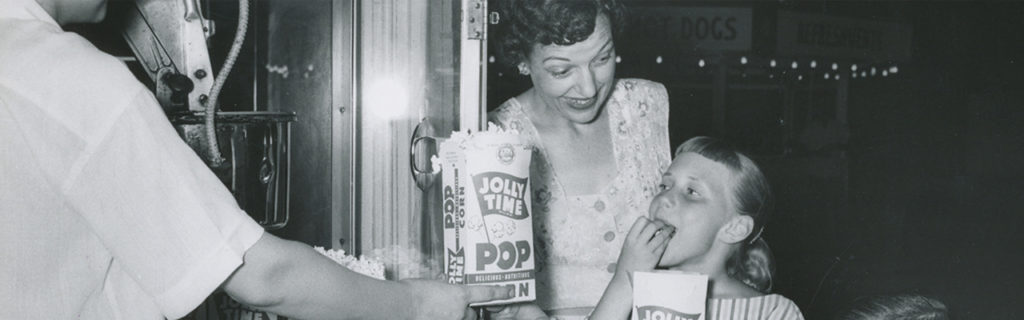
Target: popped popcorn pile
[[366, 266]]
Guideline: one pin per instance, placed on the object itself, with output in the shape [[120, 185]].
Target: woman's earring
[[523, 70]]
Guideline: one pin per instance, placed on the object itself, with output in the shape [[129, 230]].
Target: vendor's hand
[[438, 300], [516, 311], [643, 246]]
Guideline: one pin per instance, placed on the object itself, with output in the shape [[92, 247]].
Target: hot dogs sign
[[488, 230]]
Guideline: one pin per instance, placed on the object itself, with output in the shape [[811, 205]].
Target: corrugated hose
[[211, 103]]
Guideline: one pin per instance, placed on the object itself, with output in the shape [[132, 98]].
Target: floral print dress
[[578, 237]]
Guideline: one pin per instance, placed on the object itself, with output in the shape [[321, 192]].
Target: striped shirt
[[768, 307]]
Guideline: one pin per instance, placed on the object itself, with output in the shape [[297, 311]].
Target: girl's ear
[[736, 230]]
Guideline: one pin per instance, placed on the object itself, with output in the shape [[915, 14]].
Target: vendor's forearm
[[289, 278]]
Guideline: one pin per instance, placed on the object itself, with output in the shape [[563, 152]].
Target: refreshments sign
[[804, 34]]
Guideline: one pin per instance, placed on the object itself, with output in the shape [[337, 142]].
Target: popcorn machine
[[313, 125]]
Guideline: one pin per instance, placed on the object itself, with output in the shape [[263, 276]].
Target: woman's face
[[696, 199], [575, 80]]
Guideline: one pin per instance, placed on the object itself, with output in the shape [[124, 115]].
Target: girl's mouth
[[668, 226]]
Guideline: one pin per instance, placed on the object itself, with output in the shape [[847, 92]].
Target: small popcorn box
[[669, 295], [488, 230]]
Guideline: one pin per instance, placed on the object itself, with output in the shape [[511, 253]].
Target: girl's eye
[[692, 192], [662, 187], [604, 59]]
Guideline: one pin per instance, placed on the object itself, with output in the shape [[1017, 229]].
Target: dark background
[[925, 196]]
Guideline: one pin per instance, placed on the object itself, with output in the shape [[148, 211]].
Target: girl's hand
[[643, 247]]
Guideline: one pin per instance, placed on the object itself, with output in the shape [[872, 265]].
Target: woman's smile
[[579, 103]]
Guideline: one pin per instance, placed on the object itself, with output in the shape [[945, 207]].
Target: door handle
[[422, 133]]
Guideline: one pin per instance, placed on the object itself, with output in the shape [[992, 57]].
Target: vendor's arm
[[289, 278], [179, 234]]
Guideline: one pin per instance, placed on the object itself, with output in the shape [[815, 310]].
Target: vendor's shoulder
[[45, 52]]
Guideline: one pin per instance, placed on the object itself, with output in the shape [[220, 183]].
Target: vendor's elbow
[[259, 281]]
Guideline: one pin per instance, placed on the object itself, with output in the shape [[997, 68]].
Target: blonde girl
[[708, 218]]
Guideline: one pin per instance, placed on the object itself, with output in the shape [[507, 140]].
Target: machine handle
[[191, 10]]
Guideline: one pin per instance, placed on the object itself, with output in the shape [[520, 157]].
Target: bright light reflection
[[386, 99]]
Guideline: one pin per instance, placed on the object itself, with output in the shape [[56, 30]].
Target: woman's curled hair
[[525, 23]]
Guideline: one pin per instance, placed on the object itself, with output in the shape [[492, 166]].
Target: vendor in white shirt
[[106, 214]]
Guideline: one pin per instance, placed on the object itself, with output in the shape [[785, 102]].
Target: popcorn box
[[669, 295], [488, 230]]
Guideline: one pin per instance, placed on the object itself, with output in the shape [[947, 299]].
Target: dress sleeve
[[168, 222], [660, 107], [500, 116], [785, 310]]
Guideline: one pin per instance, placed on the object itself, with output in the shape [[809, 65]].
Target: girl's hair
[[753, 264], [525, 23], [902, 307]]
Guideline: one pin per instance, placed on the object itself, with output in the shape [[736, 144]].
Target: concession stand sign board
[[701, 29], [803, 34]]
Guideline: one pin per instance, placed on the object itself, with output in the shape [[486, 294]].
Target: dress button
[[609, 236], [599, 205], [611, 267]]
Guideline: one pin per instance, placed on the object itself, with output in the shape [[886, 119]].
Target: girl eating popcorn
[[708, 219]]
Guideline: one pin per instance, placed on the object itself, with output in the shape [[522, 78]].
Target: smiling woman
[[600, 143]]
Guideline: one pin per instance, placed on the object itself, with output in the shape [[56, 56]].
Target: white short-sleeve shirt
[[104, 212]]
